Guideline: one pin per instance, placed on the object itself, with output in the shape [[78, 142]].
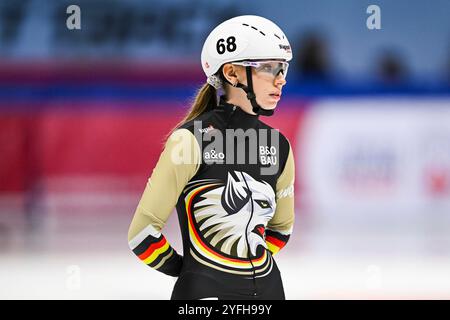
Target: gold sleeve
[[280, 226], [178, 163]]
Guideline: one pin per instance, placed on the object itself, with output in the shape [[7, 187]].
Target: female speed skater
[[228, 174]]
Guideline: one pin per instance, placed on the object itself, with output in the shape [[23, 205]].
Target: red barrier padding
[[95, 142]]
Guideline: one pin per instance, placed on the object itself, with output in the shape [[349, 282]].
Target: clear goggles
[[270, 67]]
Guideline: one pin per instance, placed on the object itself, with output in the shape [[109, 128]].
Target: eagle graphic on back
[[240, 209]]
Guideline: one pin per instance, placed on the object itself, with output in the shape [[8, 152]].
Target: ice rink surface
[[86, 256]]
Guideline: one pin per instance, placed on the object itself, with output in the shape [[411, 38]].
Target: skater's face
[[268, 81]]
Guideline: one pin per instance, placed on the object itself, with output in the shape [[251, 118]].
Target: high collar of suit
[[234, 117]]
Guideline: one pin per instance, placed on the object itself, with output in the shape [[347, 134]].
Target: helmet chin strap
[[251, 95]]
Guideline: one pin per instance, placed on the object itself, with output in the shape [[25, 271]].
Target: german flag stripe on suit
[[155, 251], [276, 240]]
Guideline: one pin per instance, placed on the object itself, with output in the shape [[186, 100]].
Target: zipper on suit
[[231, 115], [255, 288], [255, 292]]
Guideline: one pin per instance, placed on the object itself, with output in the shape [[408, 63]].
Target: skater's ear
[[233, 73]]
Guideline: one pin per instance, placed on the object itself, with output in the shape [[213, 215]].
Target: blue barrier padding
[[147, 93]]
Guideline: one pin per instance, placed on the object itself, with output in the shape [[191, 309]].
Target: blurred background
[[83, 115]]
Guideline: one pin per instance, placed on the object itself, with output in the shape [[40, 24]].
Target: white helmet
[[241, 38], [244, 38]]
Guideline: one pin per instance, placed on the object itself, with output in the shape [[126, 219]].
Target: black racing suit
[[231, 177]]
